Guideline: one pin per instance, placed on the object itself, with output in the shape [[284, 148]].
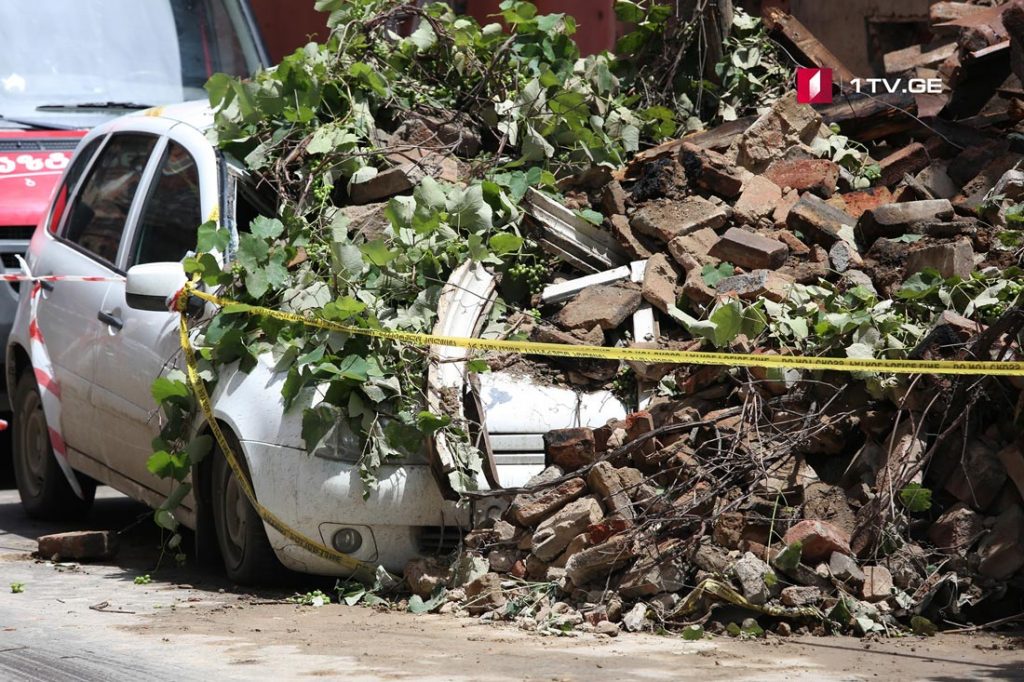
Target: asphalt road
[[93, 622]]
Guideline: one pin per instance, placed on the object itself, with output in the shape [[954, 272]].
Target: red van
[[69, 65]]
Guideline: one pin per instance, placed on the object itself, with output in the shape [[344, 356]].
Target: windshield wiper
[[92, 106], [38, 125]]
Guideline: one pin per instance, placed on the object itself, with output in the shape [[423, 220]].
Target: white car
[[129, 205]]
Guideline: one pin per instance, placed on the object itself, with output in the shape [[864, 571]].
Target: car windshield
[[62, 54]]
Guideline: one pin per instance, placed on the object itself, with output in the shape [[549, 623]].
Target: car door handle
[[107, 318]]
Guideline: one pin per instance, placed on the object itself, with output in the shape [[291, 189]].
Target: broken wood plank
[[716, 139], [805, 47], [871, 117], [942, 12], [916, 56]]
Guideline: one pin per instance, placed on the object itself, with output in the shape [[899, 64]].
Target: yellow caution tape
[[649, 355], [359, 569]]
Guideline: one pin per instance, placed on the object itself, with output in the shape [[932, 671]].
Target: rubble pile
[[785, 499]]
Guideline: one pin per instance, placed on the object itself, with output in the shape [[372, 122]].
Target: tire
[[244, 548], [43, 487]]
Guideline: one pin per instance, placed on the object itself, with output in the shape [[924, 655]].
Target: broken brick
[[570, 449], [604, 481], [818, 176], [957, 529], [908, 160], [894, 220], [864, 200], [527, 509], [820, 222], [774, 286], [712, 171], [877, 583], [759, 199], [82, 545], [749, 250], [661, 282], [819, 539], [955, 259], [667, 220], [613, 198], [607, 306], [555, 533]]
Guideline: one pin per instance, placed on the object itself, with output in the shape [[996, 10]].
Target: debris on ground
[[731, 500]]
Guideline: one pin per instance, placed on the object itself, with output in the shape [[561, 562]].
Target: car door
[[89, 230], [179, 194]]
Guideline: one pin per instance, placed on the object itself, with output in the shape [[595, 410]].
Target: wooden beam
[[871, 117], [805, 47]]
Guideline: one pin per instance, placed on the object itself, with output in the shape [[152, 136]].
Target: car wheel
[[43, 487], [248, 557]]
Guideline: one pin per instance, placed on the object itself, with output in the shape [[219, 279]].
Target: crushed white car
[[129, 205]]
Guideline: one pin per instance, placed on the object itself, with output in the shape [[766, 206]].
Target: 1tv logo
[[814, 86]]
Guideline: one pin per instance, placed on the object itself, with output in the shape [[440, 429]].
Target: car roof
[[196, 113]]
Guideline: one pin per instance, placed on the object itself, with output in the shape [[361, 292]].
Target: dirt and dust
[[430, 647]]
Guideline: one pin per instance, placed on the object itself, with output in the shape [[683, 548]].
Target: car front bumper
[[403, 518]]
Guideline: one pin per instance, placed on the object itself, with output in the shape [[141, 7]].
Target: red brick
[[570, 448], [85, 545], [819, 539], [749, 250], [711, 171], [812, 175], [759, 199], [910, 159], [858, 202]]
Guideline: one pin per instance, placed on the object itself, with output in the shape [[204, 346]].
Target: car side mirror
[[151, 285]]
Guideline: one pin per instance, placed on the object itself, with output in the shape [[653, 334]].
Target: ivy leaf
[[505, 243], [629, 12], [266, 228], [728, 319], [377, 252], [478, 366], [257, 283], [252, 251], [429, 423], [170, 390], [712, 274], [535, 147], [591, 216], [211, 238], [468, 211]]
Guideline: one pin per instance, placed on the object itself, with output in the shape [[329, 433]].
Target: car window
[[100, 211], [71, 178], [172, 212]]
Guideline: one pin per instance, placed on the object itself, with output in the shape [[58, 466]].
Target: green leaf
[[591, 216], [916, 498], [165, 519], [535, 147], [789, 558], [211, 238], [266, 228], [429, 423], [170, 390], [370, 77], [693, 633], [629, 11], [505, 243], [437, 599], [199, 448], [316, 422], [478, 366], [468, 211], [252, 251], [257, 283], [712, 274], [728, 319], [378, 253]]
